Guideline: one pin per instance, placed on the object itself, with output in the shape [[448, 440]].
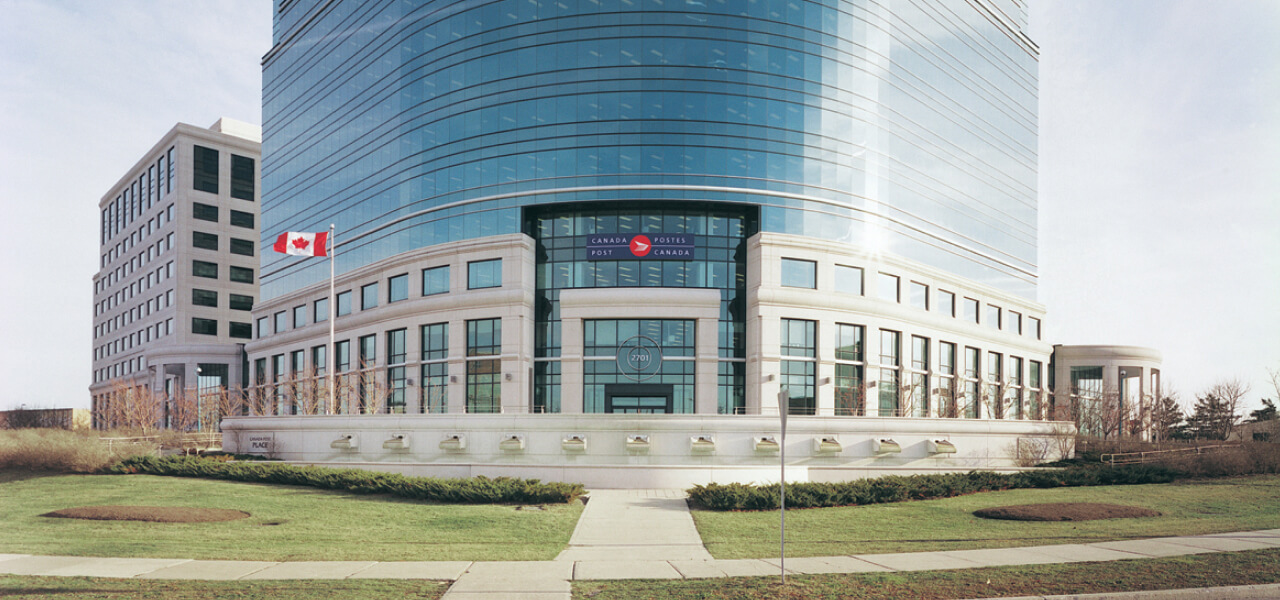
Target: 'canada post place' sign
[[260, 443], [642, 246]]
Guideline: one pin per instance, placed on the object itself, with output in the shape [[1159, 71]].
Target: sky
[[1159, 169]]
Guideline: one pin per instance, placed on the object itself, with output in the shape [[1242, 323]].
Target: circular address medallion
[[639, 357]]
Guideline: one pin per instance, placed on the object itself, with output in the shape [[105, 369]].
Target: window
[[241, 247], [1014, 322], [241, 274], [396, 347], [398, 288], [798, 375], [204, 326], [205, 170], [971, 310], [889, 288], [994, 398], [369, 296], [850, 395], [342, 355], [435, 341], [368, 351], [204, 297], [1033, 383], [281, 321], [435, 280], [917, 400], [240, 218], [242, 177], [320, 310], [993, 317], [849, 280], [200, 268], [204, 212], [919, 295], [972, 368], [435, 387], [240, 330], [1034, 324], [1014, 394], [319, 360], [849, 342], [344, 303], [240, 302], [264, 324], [947, 381], [200, 239], [299, 316], [396, 371], [890, 360], [799, 273], [484, 274], [484, 388]]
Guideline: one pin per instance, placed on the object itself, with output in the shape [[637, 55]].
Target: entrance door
[[641, 398]]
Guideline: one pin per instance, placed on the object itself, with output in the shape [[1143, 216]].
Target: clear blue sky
[[1159, 169]]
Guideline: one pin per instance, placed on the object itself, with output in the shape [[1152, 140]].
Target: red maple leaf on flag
[[300, 243]]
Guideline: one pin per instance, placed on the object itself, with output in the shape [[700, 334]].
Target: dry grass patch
[[150, 514], [1064, 511]]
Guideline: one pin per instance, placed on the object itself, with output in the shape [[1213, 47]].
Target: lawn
[[286, 523], [1187, 508], [86, 588], [1204, 570]]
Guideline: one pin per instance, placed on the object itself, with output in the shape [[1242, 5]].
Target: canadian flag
[[302, 244]]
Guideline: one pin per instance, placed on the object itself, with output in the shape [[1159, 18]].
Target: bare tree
[[1217, 409], [1166, 416]]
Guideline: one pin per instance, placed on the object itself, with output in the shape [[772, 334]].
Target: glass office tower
[[854, 183]]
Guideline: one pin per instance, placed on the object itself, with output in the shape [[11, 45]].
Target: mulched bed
[[1064, 511], [154, 514]]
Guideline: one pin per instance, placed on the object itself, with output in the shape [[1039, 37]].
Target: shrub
[[896, 488], [478, 490], [62, 451]]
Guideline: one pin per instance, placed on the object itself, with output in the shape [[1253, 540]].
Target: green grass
[[287, 523], [1187, 508], [1205, 570], [87, 588]]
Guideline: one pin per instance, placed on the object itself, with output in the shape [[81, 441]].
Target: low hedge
[[478, 490], [897, 488]]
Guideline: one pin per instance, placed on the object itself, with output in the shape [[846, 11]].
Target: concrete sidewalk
[[645, 534]]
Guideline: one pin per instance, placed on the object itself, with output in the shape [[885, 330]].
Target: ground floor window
[[484, 386]]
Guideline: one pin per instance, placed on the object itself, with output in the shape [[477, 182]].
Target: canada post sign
[[656, 246]]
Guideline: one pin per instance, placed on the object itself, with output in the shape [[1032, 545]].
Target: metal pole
[[331, 359], [783, 397]]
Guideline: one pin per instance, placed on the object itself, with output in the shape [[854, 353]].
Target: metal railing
[[1128, 458]]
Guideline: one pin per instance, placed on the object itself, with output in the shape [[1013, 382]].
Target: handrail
[[1124, 458]]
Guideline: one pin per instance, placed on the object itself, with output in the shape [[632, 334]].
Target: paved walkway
[[647, 534]]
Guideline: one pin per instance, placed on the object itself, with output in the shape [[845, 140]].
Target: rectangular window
[[919, 295], [299, 316], [241, 247], [398, 288], [484, 337], [994, 398], [435, 388], [1014, 393], [319, 360], [972, 370], [320, 310], [484, 386], [342, 354], [369, 296], [242, 177], [240, 274], [435, 280], [1033, 382], [946, 381], [1034, 326], [435, 341], [798, 338], [850, 395], [204, 212], [889, 289], [396, 387], [993, 317], [200, 268], [484, 274], [200, 239], [204, 326], [799, 273], [971, 310], [205, 170], [240, 330], [849, 280], [396, 353], [264, 325], [281, 320], [240, 302], [849, 342], [204, 297], [240, 218], [344, 303]]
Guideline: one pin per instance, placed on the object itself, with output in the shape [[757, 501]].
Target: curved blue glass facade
[[904, 127]]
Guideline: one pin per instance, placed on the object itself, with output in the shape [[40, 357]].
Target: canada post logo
[[656, 246]]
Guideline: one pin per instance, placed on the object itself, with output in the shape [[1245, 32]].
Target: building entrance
[[638, 399]]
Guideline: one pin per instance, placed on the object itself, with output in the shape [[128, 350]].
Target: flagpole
[[333, 359]]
